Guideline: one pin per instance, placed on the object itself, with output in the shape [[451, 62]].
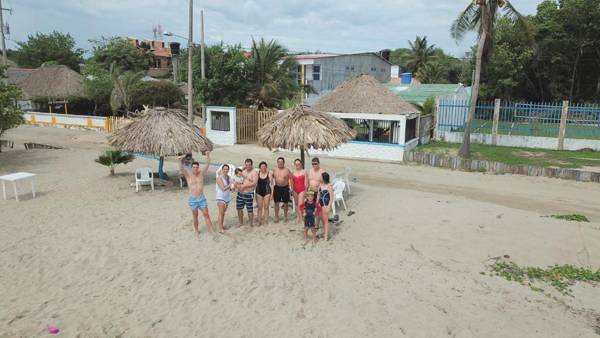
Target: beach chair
[[338, 193], [344, 176], [143, 176]]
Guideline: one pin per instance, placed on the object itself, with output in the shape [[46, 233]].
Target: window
[[377, 131], [361, 127], [316, 72], [385, 131], [219, 120]]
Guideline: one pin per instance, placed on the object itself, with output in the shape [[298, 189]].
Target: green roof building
[[417, 94]]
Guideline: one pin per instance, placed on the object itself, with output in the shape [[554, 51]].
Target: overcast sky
[[341, 26]]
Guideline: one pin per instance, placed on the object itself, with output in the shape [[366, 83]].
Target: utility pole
[[2, 9], [190, 47], [202, 44]]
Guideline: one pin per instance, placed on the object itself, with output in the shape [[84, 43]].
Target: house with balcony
[[162, 55], [324, 72]]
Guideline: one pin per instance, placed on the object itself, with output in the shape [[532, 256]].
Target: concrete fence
[[457, 163], [102, 123]]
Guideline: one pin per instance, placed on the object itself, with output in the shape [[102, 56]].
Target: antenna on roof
[[157, 32]]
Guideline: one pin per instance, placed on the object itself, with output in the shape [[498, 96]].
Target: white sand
[[95, 259]]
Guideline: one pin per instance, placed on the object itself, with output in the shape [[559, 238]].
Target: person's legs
[[300, 200], [305, 235], [266, 205], [259, 203], [314, 232], [250, 208], [207, 219], [325, 217], [277, 212], [222, 208], [239, 205], [195, 221], [296, 203]]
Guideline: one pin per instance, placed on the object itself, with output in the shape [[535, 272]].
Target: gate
[[249, 121]]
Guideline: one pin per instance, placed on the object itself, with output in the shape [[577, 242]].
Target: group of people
[[311, 191]]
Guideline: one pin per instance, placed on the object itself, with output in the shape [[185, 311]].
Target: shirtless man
[[315, 176], [195, 181], [281, 192], [245, 195]]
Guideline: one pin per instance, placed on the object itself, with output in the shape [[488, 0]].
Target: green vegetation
[[111, 158], [10, 115], [117, 51], [572, 217], [55, 48], [560, 277], [520, 156], [156, 93]]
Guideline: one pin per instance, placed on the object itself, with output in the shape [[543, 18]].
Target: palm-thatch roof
[[52, 81], [14, 75], [160, 131], [304, 128], [363, 94]]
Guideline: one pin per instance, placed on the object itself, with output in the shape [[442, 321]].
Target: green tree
[[227, 76], [272, 80], [400, 57], [567, 60], [10, 115], [97, 85], [433, 72], [509, 68], [480, 16], [118, 51], [155, 93], [420, 53], [111, 158], [123, 85], [42, 48]]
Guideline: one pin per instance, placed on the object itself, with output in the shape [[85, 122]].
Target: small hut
[[160, 132], [385, 125], [56, 82], [302, 128]]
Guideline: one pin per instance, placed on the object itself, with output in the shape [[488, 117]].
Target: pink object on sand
[[53, 329]]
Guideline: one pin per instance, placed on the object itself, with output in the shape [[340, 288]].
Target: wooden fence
[[115, 122], [249, 121]]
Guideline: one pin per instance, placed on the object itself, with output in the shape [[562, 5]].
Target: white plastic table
[[14, 178]]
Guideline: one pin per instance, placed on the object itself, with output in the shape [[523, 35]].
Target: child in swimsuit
[[325, 200], [310, 209]]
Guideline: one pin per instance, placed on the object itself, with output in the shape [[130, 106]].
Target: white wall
[[365, 150], [217, 136], [65, 120], [521, 141]]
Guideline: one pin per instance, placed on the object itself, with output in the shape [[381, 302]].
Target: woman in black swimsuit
[[263, 192]]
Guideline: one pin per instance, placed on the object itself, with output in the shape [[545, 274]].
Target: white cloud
[[334, 25]]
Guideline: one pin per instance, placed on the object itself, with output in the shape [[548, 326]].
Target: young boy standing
[[310, 209]]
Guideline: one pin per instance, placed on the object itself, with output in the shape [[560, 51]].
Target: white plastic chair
[[338, 193], [143, 176], [347, 173]]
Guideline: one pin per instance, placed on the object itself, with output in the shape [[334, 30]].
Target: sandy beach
[[94, 258]]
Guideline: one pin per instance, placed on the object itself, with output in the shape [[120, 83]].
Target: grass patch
[[520, 156], [560, 277], [572, 217]]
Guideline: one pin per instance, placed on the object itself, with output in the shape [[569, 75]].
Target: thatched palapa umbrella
[[303, 128], [161, 132]]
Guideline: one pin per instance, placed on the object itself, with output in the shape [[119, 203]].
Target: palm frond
[[466, 21]]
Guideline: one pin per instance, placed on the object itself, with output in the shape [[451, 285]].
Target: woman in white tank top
[[223, 195]]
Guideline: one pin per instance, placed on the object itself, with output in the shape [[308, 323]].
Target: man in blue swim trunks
[[197, 201]]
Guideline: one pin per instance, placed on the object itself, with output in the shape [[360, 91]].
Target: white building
[[385, 125]]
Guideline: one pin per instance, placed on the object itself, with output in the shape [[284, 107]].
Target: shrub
[[111, 158]]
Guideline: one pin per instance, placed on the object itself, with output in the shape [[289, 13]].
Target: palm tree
[[270, 71], [480, 16], [432, 72], [111, 158], [123, 84], [420, 54]]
